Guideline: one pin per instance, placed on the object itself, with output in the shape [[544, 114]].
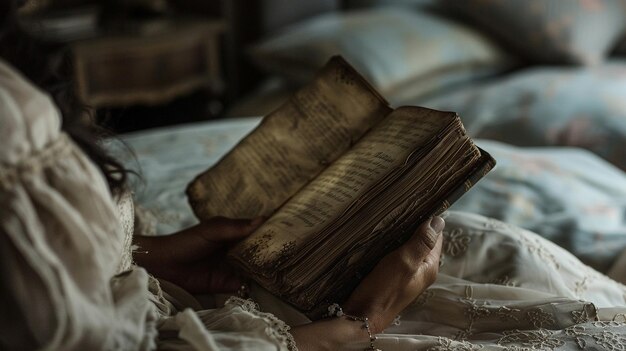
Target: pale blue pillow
[[549, 106], [549, 31], [401, 52]]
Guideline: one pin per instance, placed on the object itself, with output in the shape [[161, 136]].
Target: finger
[[430, 264], [409, 261], [212, 236], [435, 253], [425, 238], [229, 229], [381, 296]]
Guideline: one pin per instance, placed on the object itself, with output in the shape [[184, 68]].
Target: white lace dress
[[67, 282], [66, 279]]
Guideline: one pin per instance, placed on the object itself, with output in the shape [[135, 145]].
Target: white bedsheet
[[567, 195]]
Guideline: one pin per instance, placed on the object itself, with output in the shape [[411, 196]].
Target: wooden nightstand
[[152, 65]]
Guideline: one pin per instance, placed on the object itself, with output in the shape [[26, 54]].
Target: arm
[[194, 258], [182, 259]]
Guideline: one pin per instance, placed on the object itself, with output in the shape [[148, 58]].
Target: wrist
[[375, 314], [345, 333], [145, 251], [336, 310]]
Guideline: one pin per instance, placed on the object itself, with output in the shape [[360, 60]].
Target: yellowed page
[[291, 146], [328, 196]]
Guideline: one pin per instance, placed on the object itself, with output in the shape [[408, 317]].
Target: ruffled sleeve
[[60, 239], [238, 326]]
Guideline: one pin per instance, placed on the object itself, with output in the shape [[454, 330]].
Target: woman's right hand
[[396, 281], [399, 278]]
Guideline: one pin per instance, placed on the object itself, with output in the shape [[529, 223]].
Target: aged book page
[[291, 146], [343, 185]]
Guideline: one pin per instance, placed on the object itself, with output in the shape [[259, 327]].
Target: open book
[[343, 178]]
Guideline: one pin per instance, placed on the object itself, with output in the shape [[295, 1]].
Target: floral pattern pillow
[[549, 31], [566, 195], [402, 52], [549, 106]]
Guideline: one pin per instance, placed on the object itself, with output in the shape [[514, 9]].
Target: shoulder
[[29, 119]]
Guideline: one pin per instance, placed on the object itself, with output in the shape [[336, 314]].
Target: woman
[[68, 281]]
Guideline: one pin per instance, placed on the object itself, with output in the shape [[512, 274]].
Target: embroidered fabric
[[125, 212], [504, 288], [278, 329]]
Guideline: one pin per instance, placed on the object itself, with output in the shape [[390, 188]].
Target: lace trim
[[55, 150], [126, 212], [156, 296], [278, 329]]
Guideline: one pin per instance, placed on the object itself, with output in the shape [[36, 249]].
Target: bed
[[547, 99]]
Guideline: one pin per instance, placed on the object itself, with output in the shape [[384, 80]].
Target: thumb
[[425, 237]]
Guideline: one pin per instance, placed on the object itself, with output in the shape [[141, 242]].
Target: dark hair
[[50, 68]]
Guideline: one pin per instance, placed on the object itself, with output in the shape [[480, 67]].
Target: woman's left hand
[[195, 258]]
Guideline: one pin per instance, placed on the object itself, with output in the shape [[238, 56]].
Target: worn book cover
[[343, 178]]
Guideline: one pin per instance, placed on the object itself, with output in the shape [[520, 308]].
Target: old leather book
[[343, 178]]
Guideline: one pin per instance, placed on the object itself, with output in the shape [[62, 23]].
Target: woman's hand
[[399, 277], [396, 281], [194, 258]]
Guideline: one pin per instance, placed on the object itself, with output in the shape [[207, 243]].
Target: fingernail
[[431, 236], [437, 224]]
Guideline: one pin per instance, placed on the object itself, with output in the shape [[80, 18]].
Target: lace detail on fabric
[[126, 214], [278, 329], [455, 242], [537, 339], [587, 314], [505, 313], [445, 344], [534, 246], [164, 307], [473, 312], [145, 221], [577, 333], [504, 280], [620, 318], [540, 319], [57, 150], [610, 341]]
